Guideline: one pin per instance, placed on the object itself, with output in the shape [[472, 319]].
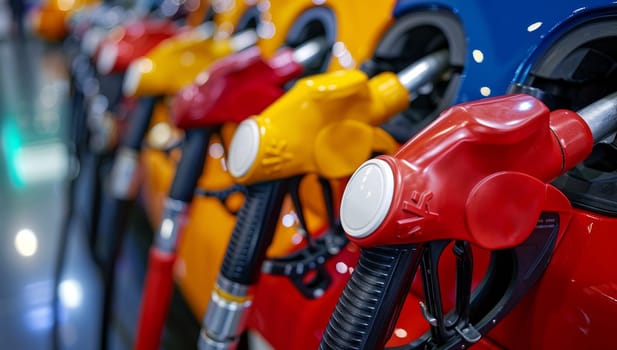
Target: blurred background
[[34, 97], [41, 226], [35, 164]]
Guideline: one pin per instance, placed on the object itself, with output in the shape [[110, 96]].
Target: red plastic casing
[[573, 305], [235, 88], [479, 173], [291, 321], [135, 39]]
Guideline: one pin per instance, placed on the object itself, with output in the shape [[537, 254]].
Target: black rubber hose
[[78, 129], [95, 178], [111, 221], [106, 221], [253, 232], [367, 310], [75, 134], [139, 123], [191, 164], [109, 242], [114, 215], [63, 242]]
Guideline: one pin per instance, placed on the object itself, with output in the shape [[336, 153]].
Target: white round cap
[[131, 78], [107, 58], [243, 148], [367, 198]]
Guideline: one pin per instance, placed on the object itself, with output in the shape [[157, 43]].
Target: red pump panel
[[291, 321], [575, 303], [288, 320]]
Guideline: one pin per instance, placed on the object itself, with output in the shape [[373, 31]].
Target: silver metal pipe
[[174, 216], [206, 29], [311, 52], [601, 117], [207, 343], [424, 70], [243, 40], [233, 288], [124, 174], [226, 316]]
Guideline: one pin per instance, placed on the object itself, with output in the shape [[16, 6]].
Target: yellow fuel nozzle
[[327, 124], [177, 61], [50, 19]]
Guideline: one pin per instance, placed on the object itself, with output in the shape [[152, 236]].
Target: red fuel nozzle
[[126, 43], [478, 173], [240, 85]]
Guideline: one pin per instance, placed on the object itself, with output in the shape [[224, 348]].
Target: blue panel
[[508, 34]]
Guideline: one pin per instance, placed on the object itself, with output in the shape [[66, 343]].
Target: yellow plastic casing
[[210, 221], [158, 167], [358, 29], [227, 14], [197, 11], [176, 62], [326, 124], [49, 19], [168, 67]]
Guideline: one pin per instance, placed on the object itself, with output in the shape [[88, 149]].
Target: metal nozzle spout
[[424, 71], [206, 29], [312, 52], [601, 117], [244, 40]]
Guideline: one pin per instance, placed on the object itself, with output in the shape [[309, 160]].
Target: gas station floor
[[43, 233], [33, 183]]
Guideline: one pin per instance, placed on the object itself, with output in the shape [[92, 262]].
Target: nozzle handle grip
[[367, 310], [156, 297], [253, 232], [191, 164], [139, 123]]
